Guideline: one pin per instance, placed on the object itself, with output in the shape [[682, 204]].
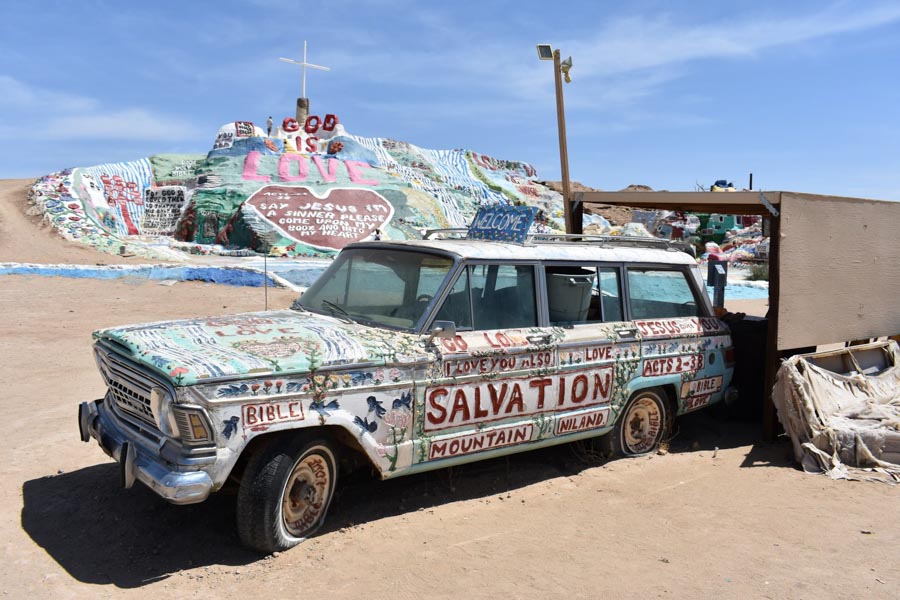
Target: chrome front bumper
[[179, 482]]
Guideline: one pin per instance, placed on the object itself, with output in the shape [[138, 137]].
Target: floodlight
[[564, 67], [545, 52]]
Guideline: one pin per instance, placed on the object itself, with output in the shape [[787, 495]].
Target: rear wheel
[[285, 493], [642, 425]]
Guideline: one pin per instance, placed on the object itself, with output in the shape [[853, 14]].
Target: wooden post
[[563, 152], [773, 357], [302, 110]]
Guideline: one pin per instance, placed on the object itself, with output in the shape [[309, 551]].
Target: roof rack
[[451, 233], [560, 238], [612, 240]]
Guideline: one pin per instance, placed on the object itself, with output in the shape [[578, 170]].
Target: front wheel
[[642, 425], [285, 493]]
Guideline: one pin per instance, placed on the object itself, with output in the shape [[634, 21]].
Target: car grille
[[129, 386]]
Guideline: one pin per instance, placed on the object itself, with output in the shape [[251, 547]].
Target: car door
[[487, 390], [599, 353]]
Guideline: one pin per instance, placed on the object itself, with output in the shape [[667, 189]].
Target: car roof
[[545, 251]]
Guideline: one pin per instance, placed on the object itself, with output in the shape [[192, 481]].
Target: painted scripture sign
[[591, 419], [481, 441], [695, 402], [261, 416], [490, 340], [342, 216], [502, 223], [294, 168], [589, 354], [495, 364], [162, 209], [672, 365], [664, 328], [448, 406], [244, 128], [697, 393], [697, 387], [125, 198]]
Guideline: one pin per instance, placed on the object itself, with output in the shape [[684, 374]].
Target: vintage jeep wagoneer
[[410, 356]]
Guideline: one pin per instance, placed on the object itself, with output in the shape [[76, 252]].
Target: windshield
[[383, 286]]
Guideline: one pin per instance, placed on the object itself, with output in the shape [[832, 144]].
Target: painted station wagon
[[410, 356]]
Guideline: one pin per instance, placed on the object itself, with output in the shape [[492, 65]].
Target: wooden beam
[[728, 203]]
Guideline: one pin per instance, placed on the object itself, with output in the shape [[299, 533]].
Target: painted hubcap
[[305, 495], [643, 426]]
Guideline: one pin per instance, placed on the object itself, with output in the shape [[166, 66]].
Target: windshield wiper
[[337, 309]]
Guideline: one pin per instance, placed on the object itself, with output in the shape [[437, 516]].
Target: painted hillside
[[298, 190]]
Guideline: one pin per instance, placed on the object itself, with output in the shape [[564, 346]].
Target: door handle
[[538, 339], [626, 332]]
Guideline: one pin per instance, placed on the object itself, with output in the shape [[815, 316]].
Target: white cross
[[303, 66]]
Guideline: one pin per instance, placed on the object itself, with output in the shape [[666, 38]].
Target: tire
[[642, 425], [284, 493]]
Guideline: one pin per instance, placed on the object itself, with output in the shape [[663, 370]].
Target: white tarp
[[845, 423]]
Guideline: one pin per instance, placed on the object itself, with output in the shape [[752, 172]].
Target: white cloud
[[634, 59], [127, 124], [636, 43], [623, 61], [78, 117], [17, 94]]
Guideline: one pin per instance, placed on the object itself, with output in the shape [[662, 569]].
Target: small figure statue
[[269, 126]]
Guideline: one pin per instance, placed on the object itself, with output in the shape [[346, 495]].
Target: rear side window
[[660, 293], [583, 294]]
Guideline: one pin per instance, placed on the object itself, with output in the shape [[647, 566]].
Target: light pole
[[560, 70]]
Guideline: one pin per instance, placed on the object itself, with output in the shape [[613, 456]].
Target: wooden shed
[[834, 265]]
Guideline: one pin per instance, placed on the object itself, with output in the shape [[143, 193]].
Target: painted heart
[[342, 216]]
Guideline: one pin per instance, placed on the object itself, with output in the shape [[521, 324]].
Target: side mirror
[[441, 329]]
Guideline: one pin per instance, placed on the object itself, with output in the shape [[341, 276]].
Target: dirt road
[[28, 239], [740, 522], [736, 522]]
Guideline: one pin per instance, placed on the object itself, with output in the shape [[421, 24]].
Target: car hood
[[286, 342]]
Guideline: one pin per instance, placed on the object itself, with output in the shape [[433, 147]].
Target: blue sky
[[805, 94]]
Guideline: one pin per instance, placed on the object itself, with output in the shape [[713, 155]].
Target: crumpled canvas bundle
[[847, 426]]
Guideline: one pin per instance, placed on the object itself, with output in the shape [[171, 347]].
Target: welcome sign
[[502, 223]]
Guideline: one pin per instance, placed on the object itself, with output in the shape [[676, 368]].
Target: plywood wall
[[839, 270]]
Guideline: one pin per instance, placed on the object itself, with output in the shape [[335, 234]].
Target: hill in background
[[299, 190]]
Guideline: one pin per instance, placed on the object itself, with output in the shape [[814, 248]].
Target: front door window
[[503, 296], [458, 306], [488, 297]]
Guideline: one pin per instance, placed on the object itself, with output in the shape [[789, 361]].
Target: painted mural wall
[[303, 189]]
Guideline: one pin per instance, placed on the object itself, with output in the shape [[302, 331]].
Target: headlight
[[192, 425], [161, 407]]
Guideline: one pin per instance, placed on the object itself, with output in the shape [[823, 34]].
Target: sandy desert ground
[[722, 515]]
